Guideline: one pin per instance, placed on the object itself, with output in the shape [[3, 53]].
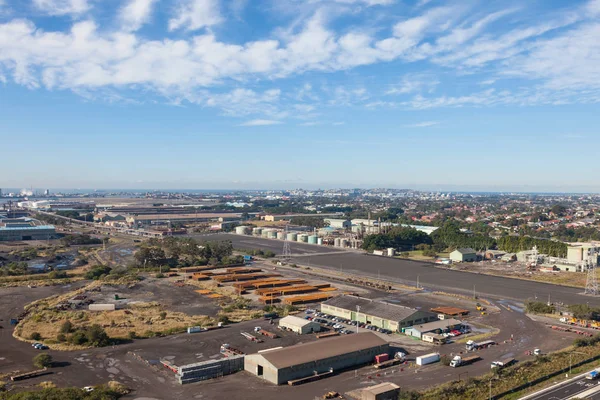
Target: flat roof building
[[382, 314], [304, 360], [299, 325], [383, 391], [439, 326], [40, 232]]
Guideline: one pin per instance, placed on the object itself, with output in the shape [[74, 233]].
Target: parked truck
[[459, 361], [471, 345], [505, 362], [428, 359]]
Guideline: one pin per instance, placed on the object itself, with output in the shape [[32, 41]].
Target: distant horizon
[[38, 191]]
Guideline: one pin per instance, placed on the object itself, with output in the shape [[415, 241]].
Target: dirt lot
[[519, 270], [518, 333]]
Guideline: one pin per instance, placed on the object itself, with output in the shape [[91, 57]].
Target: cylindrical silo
[[312, 239], [303, 238], [273, 235], [343, 243], [320, 241], [337, 242], [241, 230], [281, 235], [265, 233], [256, 231], [292, 237]]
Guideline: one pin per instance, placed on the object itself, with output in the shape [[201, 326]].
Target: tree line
[[449, 236]]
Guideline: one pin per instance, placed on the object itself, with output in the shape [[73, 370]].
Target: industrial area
[[297, 310]]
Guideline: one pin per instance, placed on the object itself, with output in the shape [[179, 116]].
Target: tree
[[43, 360], [97, 271], [66, 327], [96, 336], [35, 336]]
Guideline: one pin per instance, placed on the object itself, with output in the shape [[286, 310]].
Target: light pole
[[357, 312], [417, 281], [571, 359]]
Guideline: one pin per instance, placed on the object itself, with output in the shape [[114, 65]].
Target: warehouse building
[[17, 233], [383, 391], [432, 328], [305, 360], [299, 325], [378, 313], [464, 255]]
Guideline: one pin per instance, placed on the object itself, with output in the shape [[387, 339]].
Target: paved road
[[429, 276], [276, 246], [569, 390]]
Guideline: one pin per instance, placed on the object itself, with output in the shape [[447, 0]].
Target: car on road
[[87, 389]]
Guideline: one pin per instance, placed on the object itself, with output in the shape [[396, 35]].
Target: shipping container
[[428, 359]]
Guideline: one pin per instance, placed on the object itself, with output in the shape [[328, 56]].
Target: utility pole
[[417, 281], [357, 312], [474, 295]]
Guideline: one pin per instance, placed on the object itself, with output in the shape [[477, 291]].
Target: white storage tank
[[312, 239], [343, 243], [391, 252], [303, 238], [292, 237], [281, 235], [320, 241], [257, 231], [273, 235], [265, 233], [337, 242], [241, 230]]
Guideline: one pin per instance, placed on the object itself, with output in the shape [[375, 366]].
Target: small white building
[[338, 223], [463, 255], [299, 325]]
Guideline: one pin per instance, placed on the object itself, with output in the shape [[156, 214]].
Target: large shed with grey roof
[[382, 314], [304, 360]]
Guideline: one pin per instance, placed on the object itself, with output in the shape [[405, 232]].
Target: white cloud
[[569, 60], [260, 122], [136, 13], [367, 2], [196, 14], [310, 123], [424, 124], [414, 83], [338, 123], [62, 7]]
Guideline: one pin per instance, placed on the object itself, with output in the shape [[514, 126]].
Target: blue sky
[[473, 95]]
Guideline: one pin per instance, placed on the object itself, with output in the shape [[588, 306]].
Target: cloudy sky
[[488, 94]]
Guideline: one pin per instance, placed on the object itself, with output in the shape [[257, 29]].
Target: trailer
[[250, 337], [505, 362], [428, 359], [31, 374], [471, 345], [328, 334]]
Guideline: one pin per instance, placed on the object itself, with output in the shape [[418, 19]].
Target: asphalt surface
[[569, 390], [408, 272]]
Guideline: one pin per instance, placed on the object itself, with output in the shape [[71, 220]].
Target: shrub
[[57, 275], [43, 360], [61, 337], [78, 338], [66, 327], [162, 315], [132, 335], [35, 336], [223, 319], [445, 360], [538, 307], [96, 336]]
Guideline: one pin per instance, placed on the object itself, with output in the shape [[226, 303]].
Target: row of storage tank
[[270, 233]]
